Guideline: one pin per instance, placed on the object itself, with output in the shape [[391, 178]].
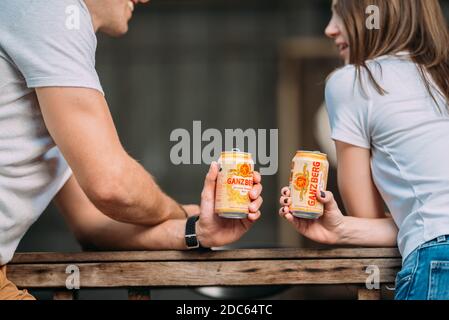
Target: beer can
[[235, 181], [308, 176]]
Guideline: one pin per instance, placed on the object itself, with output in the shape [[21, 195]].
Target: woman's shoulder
[[387, 71], [343, 83], [343, 75]]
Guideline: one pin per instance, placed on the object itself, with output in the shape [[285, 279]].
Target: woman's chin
[[344, 54]]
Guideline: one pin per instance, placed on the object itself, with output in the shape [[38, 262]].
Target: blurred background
[[229, 64]]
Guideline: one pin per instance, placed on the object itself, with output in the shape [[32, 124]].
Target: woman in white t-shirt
[[388, 110]]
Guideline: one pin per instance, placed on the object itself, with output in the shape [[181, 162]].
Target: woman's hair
[[416, 26]]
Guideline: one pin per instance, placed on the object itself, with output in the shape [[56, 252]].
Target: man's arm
[[355, 183], [93, 229], [79, 121]]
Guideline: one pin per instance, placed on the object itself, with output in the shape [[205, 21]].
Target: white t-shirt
[[37, 49], [409, 138]]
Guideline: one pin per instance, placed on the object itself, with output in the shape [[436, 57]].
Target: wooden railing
[[141, 271]]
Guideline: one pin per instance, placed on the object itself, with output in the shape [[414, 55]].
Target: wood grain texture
[[252, 254], [205, 273]]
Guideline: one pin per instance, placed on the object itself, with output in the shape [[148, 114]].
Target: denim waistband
[[410, 261], [439, 240]]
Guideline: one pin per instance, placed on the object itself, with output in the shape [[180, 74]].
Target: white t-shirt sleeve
[[348, 107], [53, 43]]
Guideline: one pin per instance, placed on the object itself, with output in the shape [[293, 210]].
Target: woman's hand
[[214, 231], [328, 229]]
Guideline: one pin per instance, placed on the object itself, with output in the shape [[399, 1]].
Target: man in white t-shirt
[[58, 141]]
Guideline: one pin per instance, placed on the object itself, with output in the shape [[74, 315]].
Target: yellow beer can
[[235, 181], [308, 176]]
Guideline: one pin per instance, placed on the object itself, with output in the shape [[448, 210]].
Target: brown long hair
[[416, 26]]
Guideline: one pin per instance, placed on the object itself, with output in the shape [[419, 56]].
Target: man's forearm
[[139, 199], [368, 232], [113, 235]]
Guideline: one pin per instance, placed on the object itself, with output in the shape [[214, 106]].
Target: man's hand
[[328, 229], [214, 231]]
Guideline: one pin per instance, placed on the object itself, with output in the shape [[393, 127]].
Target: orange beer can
[[235, 181], [308, 176]]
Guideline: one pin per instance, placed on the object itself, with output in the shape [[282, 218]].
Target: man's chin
[[115, 32]]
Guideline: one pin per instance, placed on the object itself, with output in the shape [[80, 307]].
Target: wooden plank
[[366, 294], [200, 273], [64, 295], [252, 254], [139, 293]]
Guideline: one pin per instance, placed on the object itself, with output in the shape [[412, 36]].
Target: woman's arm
[[368, 232], [360, 196], [336, 229], [367, 224]]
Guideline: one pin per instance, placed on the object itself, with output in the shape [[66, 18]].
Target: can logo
[[234, 183], [245, 170], [239, 183], [301, 182], [308, 176]]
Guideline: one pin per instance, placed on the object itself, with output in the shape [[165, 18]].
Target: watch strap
[[190, 234]]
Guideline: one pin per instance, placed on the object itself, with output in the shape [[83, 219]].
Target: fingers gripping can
[[308, 176], [235, 181]]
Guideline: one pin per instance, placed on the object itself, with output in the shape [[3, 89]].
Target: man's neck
[[92, 7]]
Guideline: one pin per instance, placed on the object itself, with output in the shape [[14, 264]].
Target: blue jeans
[[425, 272]]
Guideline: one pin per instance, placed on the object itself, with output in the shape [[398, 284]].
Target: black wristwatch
[[190, 236]]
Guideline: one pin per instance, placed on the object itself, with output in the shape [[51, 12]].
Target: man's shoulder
[[49, 16]]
